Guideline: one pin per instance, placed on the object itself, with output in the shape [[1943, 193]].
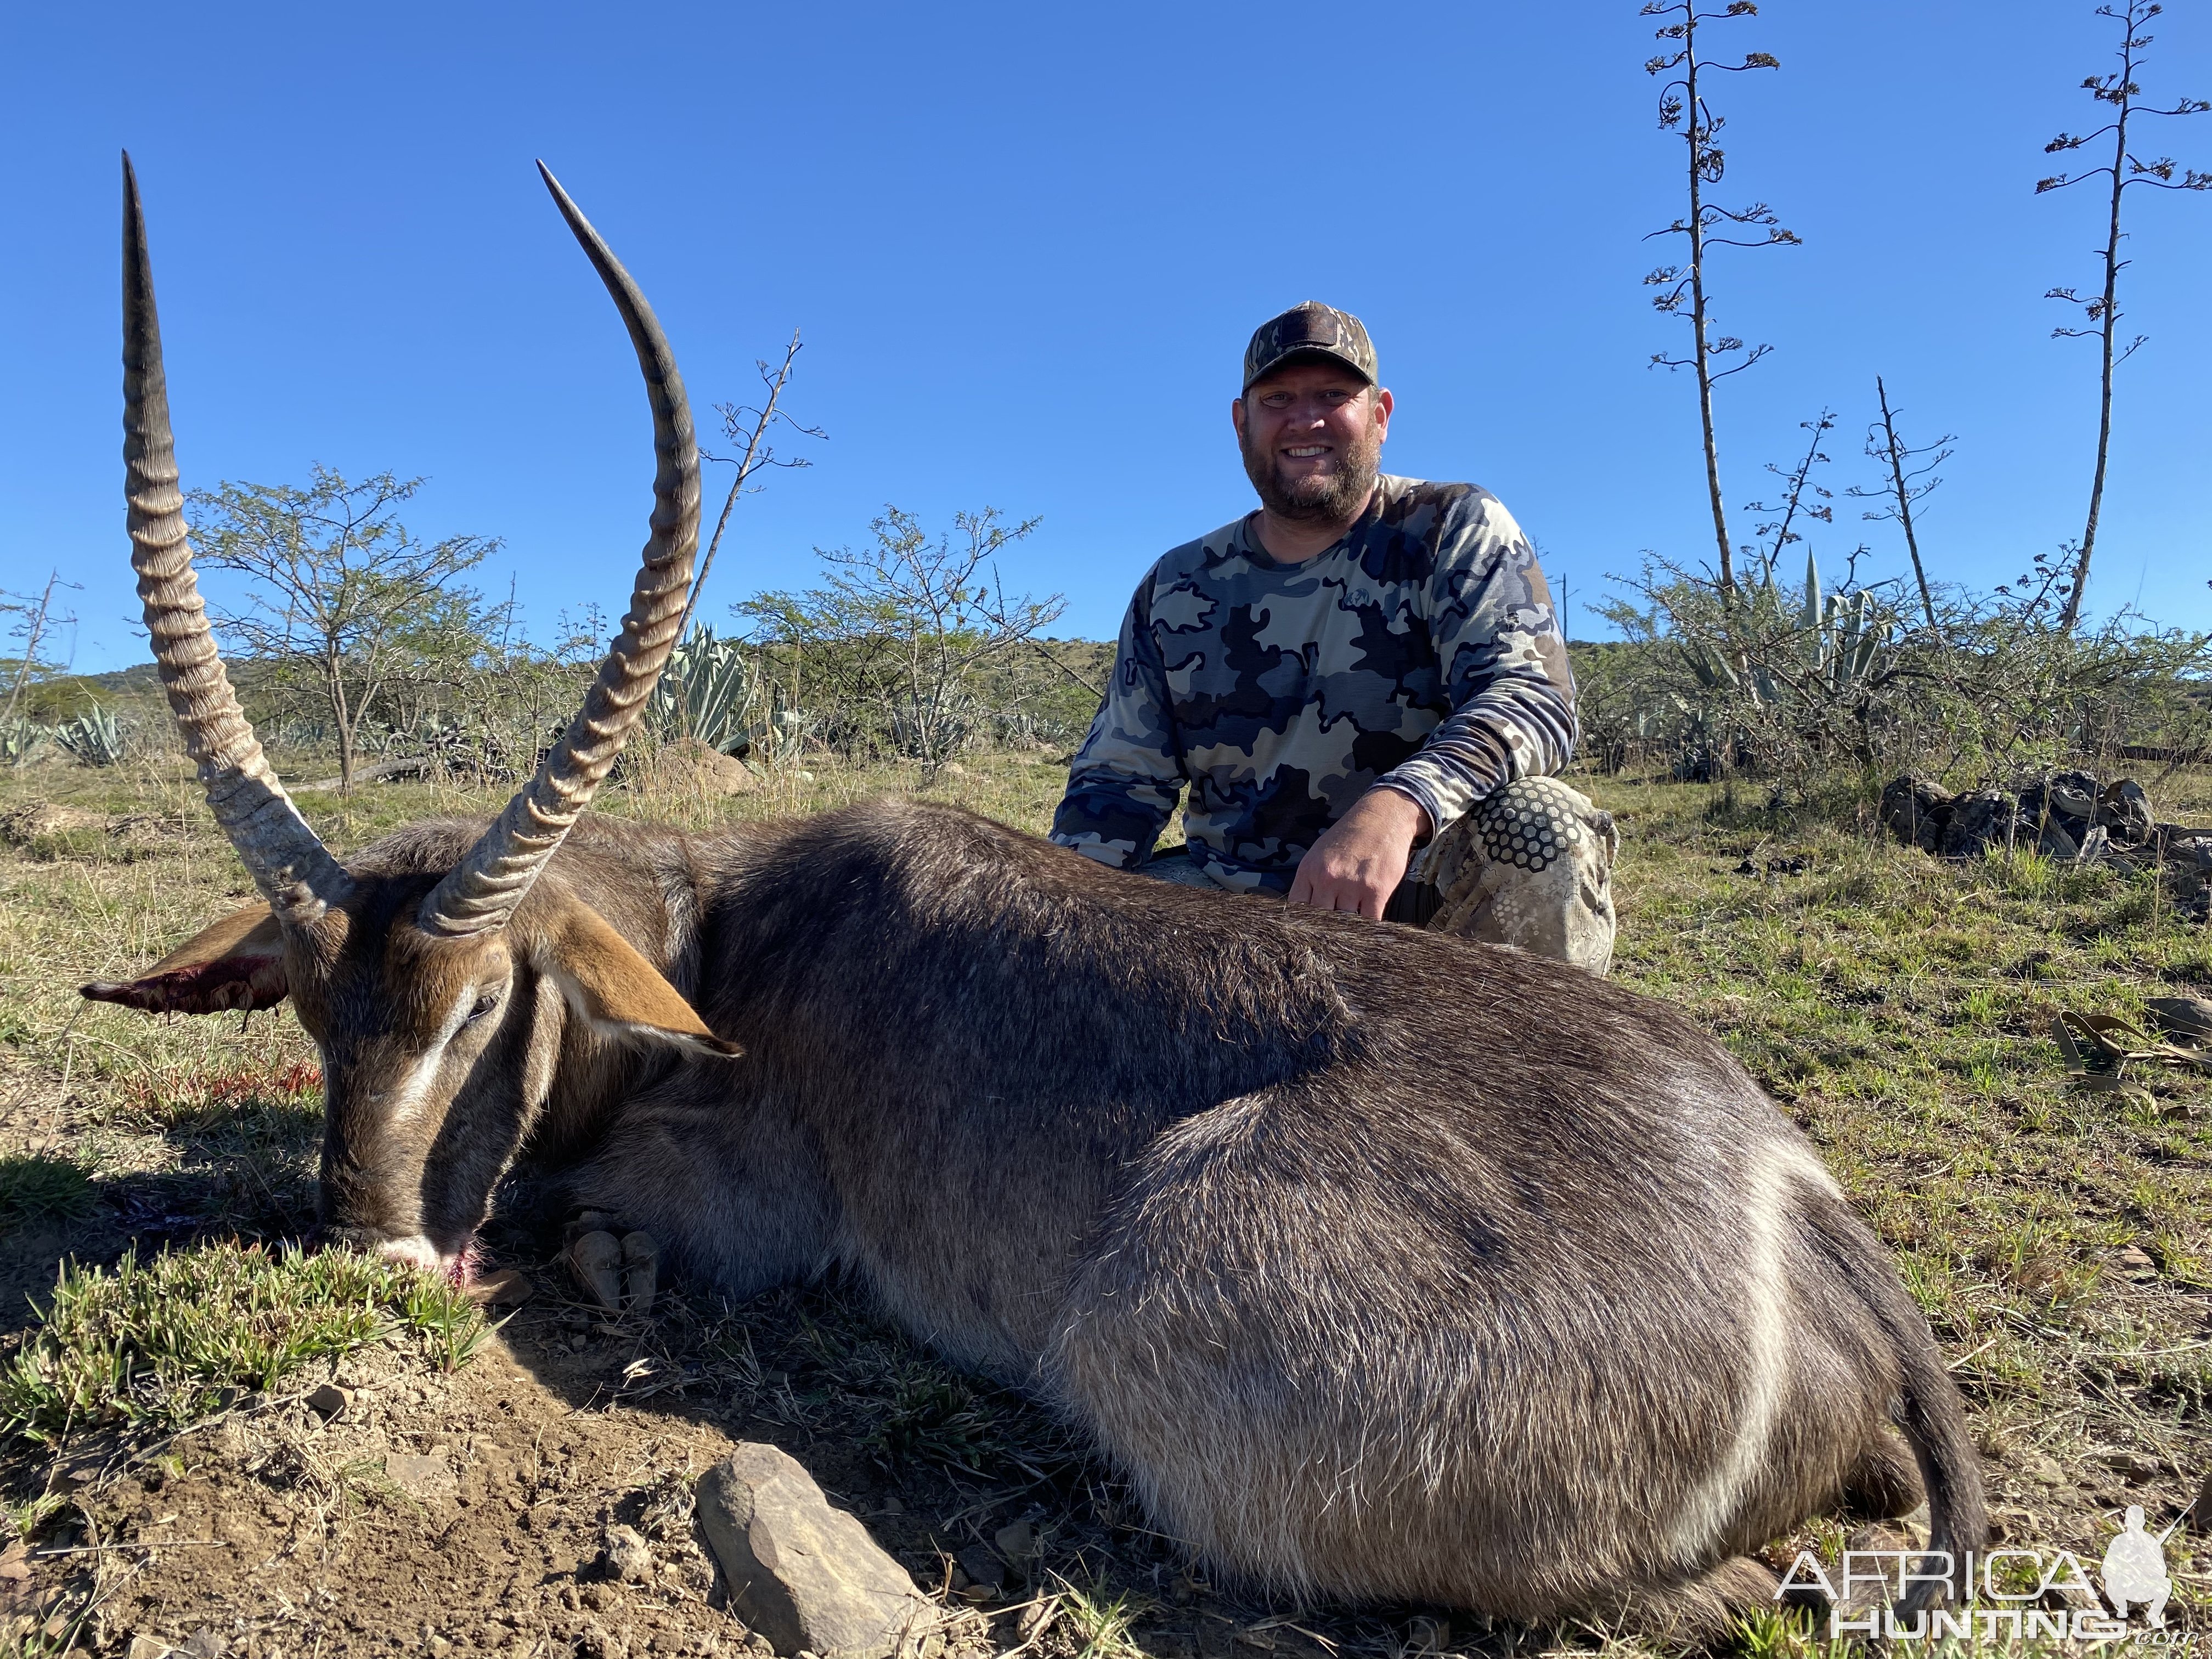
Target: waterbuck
[[1389, 1266]]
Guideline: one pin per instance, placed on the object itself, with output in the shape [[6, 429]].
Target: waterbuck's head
[[439, 997]]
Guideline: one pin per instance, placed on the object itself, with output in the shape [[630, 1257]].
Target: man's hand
[[1360, 860]]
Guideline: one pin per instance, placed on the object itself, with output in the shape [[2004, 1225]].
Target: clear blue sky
[[1026, 243]]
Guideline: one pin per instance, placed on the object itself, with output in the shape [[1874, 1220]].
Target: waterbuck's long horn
[[481, 891], [293, 869]]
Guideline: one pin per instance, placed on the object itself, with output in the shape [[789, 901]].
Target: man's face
[[1312, 437]]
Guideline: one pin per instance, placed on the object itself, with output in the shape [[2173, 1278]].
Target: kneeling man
[[1362, 678]]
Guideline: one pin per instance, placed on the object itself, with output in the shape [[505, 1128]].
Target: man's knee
[[1532, 867]]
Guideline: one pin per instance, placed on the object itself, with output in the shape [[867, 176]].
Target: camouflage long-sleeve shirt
[[1419, 653]]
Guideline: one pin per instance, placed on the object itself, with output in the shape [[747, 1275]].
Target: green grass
[[43, 1186], [161, 1342], [1101, 1624], [1899, 1008]]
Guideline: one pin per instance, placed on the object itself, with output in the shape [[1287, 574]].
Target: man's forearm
[[1115, 819], [1522, 726]]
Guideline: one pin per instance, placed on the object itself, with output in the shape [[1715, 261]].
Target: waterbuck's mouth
[[459, 1267]]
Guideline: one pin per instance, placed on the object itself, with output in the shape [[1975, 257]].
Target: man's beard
[[1318, 498]]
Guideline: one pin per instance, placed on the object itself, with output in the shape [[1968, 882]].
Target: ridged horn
[[294, 870], [481, 892]]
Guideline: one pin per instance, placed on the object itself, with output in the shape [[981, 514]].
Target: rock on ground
[[806, 1577], [692, 765]]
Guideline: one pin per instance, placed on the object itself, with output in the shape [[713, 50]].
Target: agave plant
[[19, 739], [1837, 637], [710, 690], [786, 734], [94, 737]]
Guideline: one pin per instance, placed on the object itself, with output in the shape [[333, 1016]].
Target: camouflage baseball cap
[[1312, 327]]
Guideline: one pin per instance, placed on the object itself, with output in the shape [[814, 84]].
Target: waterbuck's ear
[[237, 963], [614, 989]]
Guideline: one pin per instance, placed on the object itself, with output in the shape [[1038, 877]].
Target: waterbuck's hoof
[[641, 1260], [587, 1221], [595, 1260]]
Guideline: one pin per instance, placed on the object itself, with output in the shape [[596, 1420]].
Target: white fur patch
[[401, 1104], [416, 1252], [1711, 1505]]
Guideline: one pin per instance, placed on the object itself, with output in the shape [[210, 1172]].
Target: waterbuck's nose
[[367, 1240], [415, 1251]]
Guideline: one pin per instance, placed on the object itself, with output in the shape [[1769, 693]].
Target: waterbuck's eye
[[485, 1003]]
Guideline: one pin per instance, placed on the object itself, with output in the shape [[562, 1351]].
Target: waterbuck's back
[[990, 1034]]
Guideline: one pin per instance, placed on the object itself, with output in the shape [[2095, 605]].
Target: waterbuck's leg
[[1885, 1484], [728, 1188], [1698, 1614]]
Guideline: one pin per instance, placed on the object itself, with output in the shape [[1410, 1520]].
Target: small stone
[[15, 1563], [146, 1647], [2136, 1465], [204, 1645], [438, 1647], [984, 1569], [423, 1475], [2135, 1261], [628, 1556], [504, 1289], [1016, 1542], [805, 1576], [330, 1401], [1035, 1617], [596, 1641]]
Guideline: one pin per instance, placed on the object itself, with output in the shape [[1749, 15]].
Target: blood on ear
[[237, 963]]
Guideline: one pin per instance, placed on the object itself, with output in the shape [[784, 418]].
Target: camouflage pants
[[1531, 866]]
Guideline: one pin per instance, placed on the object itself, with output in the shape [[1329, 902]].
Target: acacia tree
[[2120, 93], [1683, 291], [336, 585], [1907, 484], [907, 623], [35, 622]]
